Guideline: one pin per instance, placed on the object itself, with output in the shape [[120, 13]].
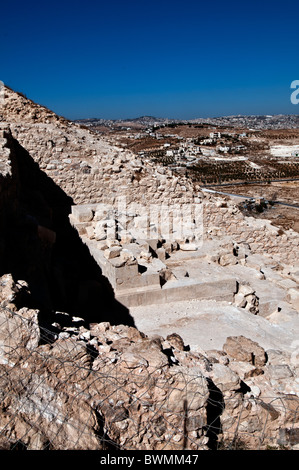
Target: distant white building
[[223, 149], [215, 135]]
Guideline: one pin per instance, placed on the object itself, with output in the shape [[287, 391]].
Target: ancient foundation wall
[[91, 171], [85, 166], [224, 218]]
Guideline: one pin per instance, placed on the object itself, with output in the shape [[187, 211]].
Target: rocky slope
[[84, 166], [100, 386]]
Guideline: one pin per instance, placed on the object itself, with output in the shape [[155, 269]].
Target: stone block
[[244, 369], [133, 248], [126, 237], [117, 262], [149, 243], [279, 371], [143, 244], [125, 274], [82, 213], [225, 378], [228, 259], [90, 231], [128, 257], [146, 255], [244, 349], [113, 242], [112, 252], [153, 264], [161, 254], [168, 247], [100, 214], [100, 231], [246, 290], [267, 306], [150, 278], [188, 247]]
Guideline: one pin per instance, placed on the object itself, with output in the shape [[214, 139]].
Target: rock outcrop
[[112, 387]]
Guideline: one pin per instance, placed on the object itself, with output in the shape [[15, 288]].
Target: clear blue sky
[[167, 58]]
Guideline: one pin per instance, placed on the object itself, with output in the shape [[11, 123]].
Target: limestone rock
[[245, 370], [176, 341], [150, 350], [244, 349], [100, 231], [246, 298], [225, 378], [112, 252], [8, 290], [82, 214], [188, 246], [128, 257], [279, 371], [18, 330]]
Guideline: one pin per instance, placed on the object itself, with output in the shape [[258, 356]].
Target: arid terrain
[[149, 282], [262, 144]]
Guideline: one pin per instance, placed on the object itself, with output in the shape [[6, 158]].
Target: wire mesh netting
[[67, 394]]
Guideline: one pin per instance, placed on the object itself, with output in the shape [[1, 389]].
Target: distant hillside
[[279, 121]]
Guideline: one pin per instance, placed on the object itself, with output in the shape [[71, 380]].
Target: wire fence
[[67, 394]]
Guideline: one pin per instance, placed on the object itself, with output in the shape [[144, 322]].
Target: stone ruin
[[79, 384], [151, 258]]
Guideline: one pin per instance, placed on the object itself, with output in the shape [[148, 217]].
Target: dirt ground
[[282, 216]]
